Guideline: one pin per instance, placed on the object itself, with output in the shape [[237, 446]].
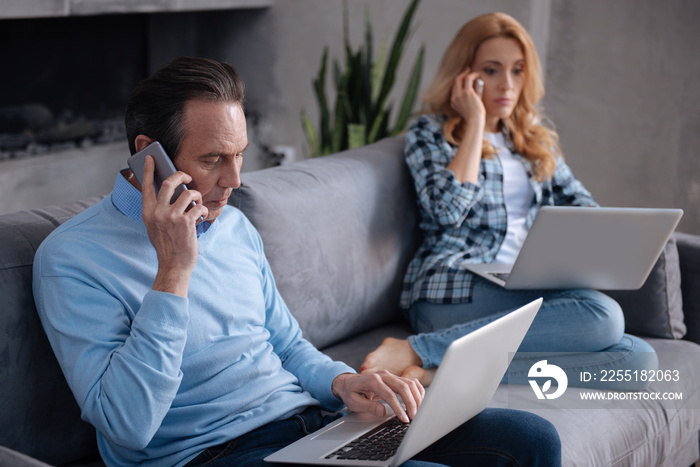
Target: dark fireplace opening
[[66, 81]]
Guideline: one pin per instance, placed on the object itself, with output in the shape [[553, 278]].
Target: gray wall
[[622, 89], [621, 80]]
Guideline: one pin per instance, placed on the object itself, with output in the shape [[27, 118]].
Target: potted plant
[[362, 110]]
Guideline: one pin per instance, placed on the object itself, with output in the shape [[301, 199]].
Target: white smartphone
[[163, 168], [479, 87]]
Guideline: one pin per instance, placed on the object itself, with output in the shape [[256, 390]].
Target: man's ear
[[141, 141]]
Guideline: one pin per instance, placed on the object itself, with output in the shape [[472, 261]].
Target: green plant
[[362, 109]]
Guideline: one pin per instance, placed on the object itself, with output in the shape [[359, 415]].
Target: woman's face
[[501, 65]]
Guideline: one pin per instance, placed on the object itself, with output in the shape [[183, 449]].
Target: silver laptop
[[469, 374], [584, 247]]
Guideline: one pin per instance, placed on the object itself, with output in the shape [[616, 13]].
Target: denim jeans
[[583, 329], [495, 437]]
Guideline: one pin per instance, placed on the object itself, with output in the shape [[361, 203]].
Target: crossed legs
[[584, 325]]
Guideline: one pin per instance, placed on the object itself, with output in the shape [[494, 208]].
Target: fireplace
[[67, 80], [69, 68]]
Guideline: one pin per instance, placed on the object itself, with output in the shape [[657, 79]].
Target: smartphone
[[479, 87], [163, 168]]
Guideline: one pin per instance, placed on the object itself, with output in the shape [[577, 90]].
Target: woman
[[482, 167]]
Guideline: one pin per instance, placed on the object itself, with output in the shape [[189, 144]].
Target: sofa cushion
[[638, 432], [337, 227], [689, 252], [656, 309], [39, 414], [8, 457]]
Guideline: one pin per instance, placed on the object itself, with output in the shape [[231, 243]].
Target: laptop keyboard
[[378, 444]]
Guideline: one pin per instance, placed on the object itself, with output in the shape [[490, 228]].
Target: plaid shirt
[[462, 222]]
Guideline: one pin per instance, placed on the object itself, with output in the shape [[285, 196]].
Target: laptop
[[463, 385], [585, 247]]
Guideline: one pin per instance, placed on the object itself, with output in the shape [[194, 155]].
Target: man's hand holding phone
[[171, 228]]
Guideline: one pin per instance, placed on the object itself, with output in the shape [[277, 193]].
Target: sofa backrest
[[338, 232], [38, 414]]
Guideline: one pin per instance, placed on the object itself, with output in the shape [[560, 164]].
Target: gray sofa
[[339, 232]]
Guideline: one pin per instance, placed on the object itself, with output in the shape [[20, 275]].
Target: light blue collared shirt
[[127, 199]]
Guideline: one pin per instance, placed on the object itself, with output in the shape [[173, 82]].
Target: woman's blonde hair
[[533, 141]]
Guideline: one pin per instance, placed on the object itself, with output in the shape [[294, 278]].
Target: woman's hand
[[464, 99], [171, 229], [467, 103]]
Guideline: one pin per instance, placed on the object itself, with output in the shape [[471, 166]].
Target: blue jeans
[[495, 437], [583, 328]]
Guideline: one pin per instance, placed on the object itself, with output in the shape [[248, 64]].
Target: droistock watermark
[[630, 396], [604, 380], [551, 373]]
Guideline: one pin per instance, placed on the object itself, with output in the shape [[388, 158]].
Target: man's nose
[[231, 175]]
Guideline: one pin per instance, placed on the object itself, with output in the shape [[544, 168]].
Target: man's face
[[211, 151]]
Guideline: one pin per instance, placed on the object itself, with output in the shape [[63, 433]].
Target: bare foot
[[394, 355], [424, 375]]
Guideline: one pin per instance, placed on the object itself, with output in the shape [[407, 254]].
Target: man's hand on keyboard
[[363, 393]]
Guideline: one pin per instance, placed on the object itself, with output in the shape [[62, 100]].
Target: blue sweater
[[163, 377]]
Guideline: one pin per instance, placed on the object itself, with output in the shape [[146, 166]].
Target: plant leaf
[[311, 136], [378, 130], [354, 88], [365, 115], [356, 135], [395, 55], [410, 95], [377, 73], [346, 25], [320, 91], [337, 73], [339, 124]]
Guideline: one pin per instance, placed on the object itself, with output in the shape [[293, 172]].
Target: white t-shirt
[[518, 195]]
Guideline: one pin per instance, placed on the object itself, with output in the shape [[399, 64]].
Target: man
[[172, 334]]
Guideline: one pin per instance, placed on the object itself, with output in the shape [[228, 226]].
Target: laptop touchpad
[[342, 431]]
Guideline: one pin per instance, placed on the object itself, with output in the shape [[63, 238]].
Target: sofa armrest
[[9, 457], [689, 256]]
